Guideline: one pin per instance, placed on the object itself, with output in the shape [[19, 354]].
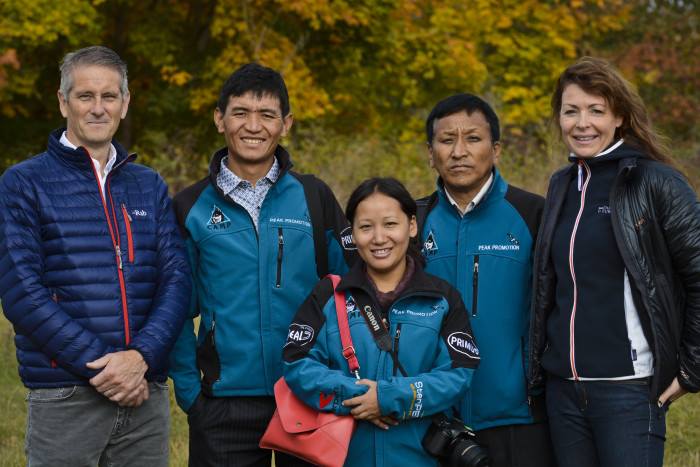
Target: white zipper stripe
[[572, 352]]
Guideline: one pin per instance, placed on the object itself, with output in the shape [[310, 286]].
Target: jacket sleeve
[[156, 337], [184, 370], [26, 301], [342, 253], [442, 387], [307, 365], [681, 225]]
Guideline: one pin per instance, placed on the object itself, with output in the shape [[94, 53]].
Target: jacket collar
[[419, 284], [283, 159], [496, 191], [79, 158]]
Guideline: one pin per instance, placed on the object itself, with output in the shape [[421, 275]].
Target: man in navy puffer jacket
[[94, 278]]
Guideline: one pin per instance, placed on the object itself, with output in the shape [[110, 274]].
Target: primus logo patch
[[218, 219], [463, 343], [346, 239], [299, 334]]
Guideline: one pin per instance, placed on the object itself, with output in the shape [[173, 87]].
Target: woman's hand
[[672, 393], [366, 406]]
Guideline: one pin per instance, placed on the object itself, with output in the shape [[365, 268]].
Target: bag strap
[[313, 202], [345, 336]]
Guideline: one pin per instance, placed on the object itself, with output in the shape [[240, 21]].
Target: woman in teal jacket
[[427, 353]]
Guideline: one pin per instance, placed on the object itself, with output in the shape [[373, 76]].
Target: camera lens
[[466, 453]]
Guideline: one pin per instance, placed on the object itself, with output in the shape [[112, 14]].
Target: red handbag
[[320, 438]]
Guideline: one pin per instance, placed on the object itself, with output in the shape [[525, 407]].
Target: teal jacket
[[487, 256], [431, 339], [247, 283]]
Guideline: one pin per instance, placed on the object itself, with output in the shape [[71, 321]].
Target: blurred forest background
[[362, 74]]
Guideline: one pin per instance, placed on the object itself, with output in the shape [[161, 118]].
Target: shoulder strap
[[424, 206], [314, 203], [345, 336]]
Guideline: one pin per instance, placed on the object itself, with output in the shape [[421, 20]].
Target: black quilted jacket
[[656, 223]]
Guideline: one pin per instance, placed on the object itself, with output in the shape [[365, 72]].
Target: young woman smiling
[[410, 331], [616, 311]]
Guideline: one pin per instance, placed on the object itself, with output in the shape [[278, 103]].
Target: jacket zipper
[[129, 237], [396, 346], [475, 285], [213, 329], [583, 187], [280, 253], [115, 244]]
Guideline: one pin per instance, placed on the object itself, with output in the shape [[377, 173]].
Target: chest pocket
[[291, 247]]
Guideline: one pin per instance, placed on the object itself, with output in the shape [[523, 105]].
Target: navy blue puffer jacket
[[82, 274]]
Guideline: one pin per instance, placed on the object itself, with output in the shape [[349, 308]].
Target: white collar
[[477, 199], [110, 161]]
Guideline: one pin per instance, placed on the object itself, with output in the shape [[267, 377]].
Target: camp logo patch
[[218, 219], [430, 246], [299, 334], [351, 307], [346, 239], [463, 343]]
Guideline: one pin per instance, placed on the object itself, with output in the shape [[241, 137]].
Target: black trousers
[[225, 431], [518, 445]]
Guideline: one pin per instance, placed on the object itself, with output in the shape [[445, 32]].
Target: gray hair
[[94, 55]]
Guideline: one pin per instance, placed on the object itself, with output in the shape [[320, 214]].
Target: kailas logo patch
[[430, 246], [218, 219], [346, 239], [299, 334], [463, 343]]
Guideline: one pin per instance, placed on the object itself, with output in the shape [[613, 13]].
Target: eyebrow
[[248, 109], [602, 104], [452, 132]]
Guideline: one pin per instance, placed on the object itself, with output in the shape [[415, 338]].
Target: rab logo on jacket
[[463, 343], [430, 245], [218, 220], [299, 334]]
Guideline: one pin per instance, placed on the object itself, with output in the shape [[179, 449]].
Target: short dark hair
[[463, 103], [258, 79], [393, 189]]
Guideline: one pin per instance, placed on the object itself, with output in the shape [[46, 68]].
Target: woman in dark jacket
[[616, 320], [427, 353]]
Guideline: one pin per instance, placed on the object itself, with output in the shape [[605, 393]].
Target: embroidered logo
[[218, 220], [346, 239], [463, 343], [325, 399], [139, 213], [351, 307], [512, 239], [417, 403], [603, 209], [299, 334], [430, 246]]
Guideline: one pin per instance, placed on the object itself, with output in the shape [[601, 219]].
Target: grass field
[[682, 446]]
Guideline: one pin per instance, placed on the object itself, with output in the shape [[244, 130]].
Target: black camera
[[454, 443]]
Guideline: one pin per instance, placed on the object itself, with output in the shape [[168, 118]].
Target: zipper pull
[[119, 256], [127, 213], [580, 175]]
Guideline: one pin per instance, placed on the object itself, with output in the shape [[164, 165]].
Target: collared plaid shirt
[[243, 192]]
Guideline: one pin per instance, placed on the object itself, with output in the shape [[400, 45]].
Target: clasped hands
[[121, 377], [366, 407]]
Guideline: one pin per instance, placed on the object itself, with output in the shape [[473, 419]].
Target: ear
[[125, 105], [496, 152], [618, 122], [219, 120], [412, 227], [62, 104], [287, 123], [430, 156]]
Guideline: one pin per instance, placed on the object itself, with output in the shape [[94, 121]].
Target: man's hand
[[672, 393], [366, 406], [121, 378], [137, 397]]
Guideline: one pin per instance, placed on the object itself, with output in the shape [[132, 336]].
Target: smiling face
[[587, 122], [252, 127], [381, 231], [94, 107], [462, 153]]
